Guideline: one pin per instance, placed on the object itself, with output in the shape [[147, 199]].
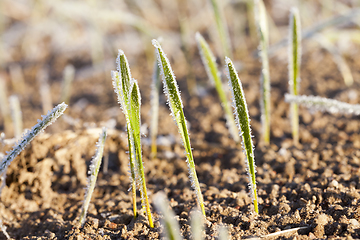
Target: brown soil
[[314, 185]]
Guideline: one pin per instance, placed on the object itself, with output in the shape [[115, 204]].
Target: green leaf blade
[[294, 68], [243, 120], [135, 102], [174, 100]]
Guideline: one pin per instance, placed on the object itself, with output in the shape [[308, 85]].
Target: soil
[[311, 189]]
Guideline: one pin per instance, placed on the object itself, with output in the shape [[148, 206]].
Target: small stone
[[354, 223], [334, 184]]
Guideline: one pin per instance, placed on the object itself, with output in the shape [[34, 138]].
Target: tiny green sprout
[[294, 68], [135, 102], [209, 62], [155, 90], [174, 100], [261, 20], [221, 27], [31, 134], [93, 173], [316, 103], [243, 121], [171, 226], [128, 94], [121, 82]]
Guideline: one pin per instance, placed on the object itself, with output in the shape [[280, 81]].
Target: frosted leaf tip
[[155, 43]]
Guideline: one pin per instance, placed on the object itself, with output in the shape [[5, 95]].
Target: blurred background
[[43, 43]]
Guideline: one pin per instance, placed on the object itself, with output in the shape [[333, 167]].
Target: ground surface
[[312, 188]]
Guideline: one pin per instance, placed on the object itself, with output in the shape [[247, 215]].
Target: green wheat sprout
[[30, 135], [261, 20], [209, 62], [129, 99], [294, 68], [222, 28], [243, 120], [93, 173], [171, 226], [317, 103], [135, 102], [174, 101]]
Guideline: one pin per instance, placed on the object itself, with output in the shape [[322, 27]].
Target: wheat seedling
[[30, 135], [171, 226], [324, 104], [135, 102], [93, 173], [121, 83], [261, 20], [129, 99], [294, 68], [16, 115], [243, 121], [174, 100], [209, 62]]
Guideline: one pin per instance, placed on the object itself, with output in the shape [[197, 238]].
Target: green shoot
[[121, 83], [93, 172], [135, 101], [16, 115], [176, 107], [261, 20], [69, 74], [243, 121], [129, 98], [197, 225], [324, 104], [30, 135], [171, 226], [155, 89], [209, 62], [221, 27], [294, 68]]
